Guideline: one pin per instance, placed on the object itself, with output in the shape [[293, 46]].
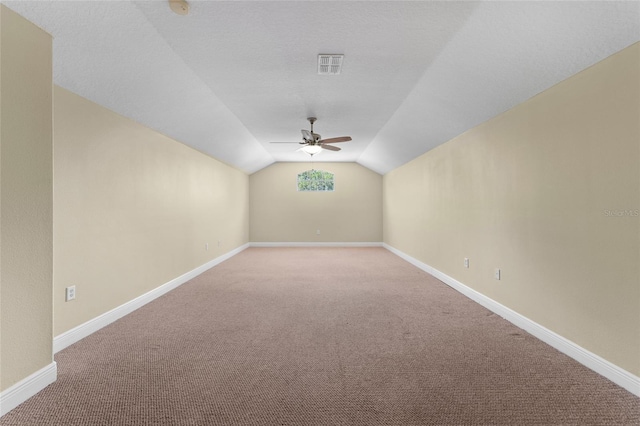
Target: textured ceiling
[[232, 76]]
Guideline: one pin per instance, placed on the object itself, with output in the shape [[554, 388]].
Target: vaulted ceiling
[[232, 76]]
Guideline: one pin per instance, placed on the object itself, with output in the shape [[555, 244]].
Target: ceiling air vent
[[330, 64]]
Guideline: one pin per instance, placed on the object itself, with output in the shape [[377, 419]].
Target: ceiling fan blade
[[330, 148], [336, 140], [285, 142]]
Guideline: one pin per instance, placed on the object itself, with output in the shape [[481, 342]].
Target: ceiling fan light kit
[[312, 149]]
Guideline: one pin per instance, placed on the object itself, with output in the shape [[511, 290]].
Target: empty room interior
[[312, 212]]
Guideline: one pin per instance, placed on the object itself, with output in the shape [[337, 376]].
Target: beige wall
[[549, 192], [25, 199], [133, 209], [351, 213]]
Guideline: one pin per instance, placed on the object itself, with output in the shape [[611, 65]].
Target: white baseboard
[[83, 330], [313, 244], [27, 387], [596, 363]]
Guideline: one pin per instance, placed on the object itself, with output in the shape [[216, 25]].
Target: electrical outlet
[[466, 262], [318, 232], [218, 243], [69, 293], [497, 274], [206, 246]]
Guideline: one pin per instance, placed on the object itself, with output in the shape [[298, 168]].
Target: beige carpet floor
[[319, 336]]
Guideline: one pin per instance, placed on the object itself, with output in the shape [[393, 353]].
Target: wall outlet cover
[[70, 293]]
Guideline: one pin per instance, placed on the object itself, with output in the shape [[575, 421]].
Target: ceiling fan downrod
[[312, 120]]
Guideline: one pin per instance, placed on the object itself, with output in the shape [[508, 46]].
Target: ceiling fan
[[313, 142]]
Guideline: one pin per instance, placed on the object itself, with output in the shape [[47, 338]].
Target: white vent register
[[330, 64]]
